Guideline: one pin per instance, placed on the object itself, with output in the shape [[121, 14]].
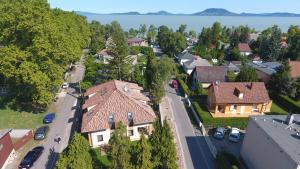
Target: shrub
[[286, 102], [184, 87], [226, 160], [208, 120]]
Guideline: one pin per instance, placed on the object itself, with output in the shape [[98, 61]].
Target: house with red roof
[[238, 99], [295, 69], [112, 102], [137, 42], [245, 49]]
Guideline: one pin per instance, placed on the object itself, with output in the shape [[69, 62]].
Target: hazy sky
[[177, 6]]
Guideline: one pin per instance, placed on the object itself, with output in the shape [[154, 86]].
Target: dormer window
[[111, 118], [130, 118]]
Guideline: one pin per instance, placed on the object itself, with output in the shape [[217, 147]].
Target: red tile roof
[[117, 98], [295, 69], [244, 47], [253, 92]]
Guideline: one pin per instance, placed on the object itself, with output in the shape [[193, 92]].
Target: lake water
[[196, 22]]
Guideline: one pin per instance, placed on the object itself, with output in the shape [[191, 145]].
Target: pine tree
[[76, 155], [119, 145], [143, 151]]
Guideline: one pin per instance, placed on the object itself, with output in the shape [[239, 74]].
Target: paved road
[[64, 124], [195, 150]]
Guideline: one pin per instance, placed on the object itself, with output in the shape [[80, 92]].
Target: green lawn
[[277, 110], [99, 161], [20, 120]]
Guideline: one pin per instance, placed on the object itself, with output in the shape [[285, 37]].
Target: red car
[[175, 84]]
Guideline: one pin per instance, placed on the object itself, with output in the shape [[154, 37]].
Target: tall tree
[[143, 151], [270, 44], [247, 74], [205, 37], [97, 37], [182, 29], [143, 30], [245, 34], [163, 146], [216, 32], [151, 34], [132, 33], [121, 62], [76, 155], [192, 34], [119, 144]]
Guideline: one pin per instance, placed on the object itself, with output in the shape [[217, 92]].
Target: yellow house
[[238, 99]]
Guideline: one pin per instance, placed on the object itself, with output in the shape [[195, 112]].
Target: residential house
[[245, 49], [6, 148], [192, 41], [295, 69], [265, 70], [112, 102], [255, 58], [233, 66], [189, 66], [272, 142], [137, 42], [238, 99], [185, 57], [208, 75], [104, 56]]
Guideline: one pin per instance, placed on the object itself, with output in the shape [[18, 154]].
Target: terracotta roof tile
[[244, 47], [253, 92], [118, 99], [211, 74], [295, 69]]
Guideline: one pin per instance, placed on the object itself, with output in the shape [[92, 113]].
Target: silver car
[[219, 133]]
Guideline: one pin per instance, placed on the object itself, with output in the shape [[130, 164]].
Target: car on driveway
[[234, 135], [49, 118], [31, 157], [65, 85], [219, 133], [41, 133]]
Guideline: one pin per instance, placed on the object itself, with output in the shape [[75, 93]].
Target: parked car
[[31, 157], [49, 118], [41, 133], [234, 135], [175, 84], [65, 85], [219, 133]]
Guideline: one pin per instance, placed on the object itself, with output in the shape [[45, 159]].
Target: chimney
[[125, 88], [289, 119]]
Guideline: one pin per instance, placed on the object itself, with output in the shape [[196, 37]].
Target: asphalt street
[[64, 124], [196, 152]]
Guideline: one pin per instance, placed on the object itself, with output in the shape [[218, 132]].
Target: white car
[[65, 85], [234, 135]]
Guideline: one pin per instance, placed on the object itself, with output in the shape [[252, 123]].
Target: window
[[100, 138], [111, 118], [254, 108], [233, 108], [130, 133], [129, 116]]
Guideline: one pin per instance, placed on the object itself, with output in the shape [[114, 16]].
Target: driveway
[[195, 150], [64, 125]]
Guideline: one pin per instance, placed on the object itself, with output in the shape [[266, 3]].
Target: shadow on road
[[196, 146], [51, 158]]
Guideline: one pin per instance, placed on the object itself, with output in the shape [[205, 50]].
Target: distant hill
[[215, 12], [207, 12]]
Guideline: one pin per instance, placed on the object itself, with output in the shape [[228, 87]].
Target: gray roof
[[268, 68], [232, 66], [196, 62], [3, 132], [211, 74], [278, 131], [186, 55]]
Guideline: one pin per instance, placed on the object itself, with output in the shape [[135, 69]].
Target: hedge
[[184, 87], [287, 103], [226, 160], [209, 121]]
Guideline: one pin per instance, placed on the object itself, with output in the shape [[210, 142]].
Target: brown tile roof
[[211, 74], [244, 47], [135, 40], [295, 69], [253, 92], [117, 98]]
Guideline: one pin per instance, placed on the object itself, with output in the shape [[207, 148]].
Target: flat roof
[[284, 135]]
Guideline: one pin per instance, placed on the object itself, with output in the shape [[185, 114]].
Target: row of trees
[[37, 43], [157, 152]]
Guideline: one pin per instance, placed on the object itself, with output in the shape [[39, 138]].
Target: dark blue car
[[49, 118], [31, 157]]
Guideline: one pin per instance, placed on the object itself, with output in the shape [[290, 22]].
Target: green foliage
[[208, 120], [97, 37], [163, 146], [142, 30], [231, 76], [294, 47], [76, 155], [226, 160], [171, 42], [182, 29], [38, 43], [247, 74], [143, 151], [270, 44], [199, 89], [184, 87], [119, 145], [233, 54], [192, 34], [216, 32], [285, 102], [151, 34], [132, 33]]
